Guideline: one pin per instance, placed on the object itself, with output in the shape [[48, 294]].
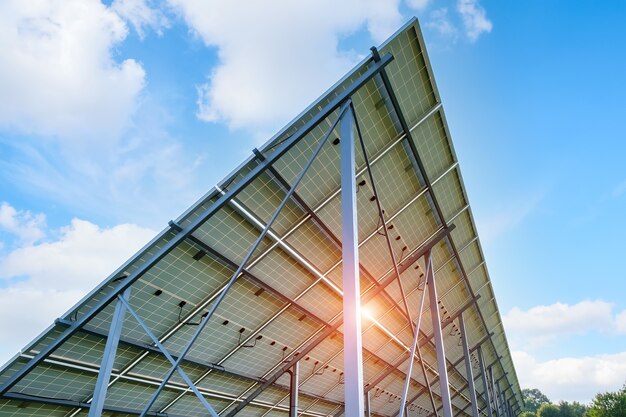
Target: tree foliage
[[533, 398], [537, 404], [574, 409], [608, 404], [548, 410]]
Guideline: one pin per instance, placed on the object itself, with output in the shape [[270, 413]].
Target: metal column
[[504, 406], [368, 405], [494, 394], [438, 338], [108, 358], [352, 354], [468, 367], [483, 375], [293, 390]]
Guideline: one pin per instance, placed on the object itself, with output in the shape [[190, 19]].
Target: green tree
[[608, 404], [527, 414], [533, 398], [548, 410], [574, 409]]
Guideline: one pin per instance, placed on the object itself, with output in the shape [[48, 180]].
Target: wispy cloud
[[439, 20], [474, 18], [142, 15], [571, 378], [508, 216], [418, 4], [543, 324]]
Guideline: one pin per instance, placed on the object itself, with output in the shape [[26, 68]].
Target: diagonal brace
[[169, 357]]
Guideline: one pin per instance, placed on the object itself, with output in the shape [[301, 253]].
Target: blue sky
[[106, 107]]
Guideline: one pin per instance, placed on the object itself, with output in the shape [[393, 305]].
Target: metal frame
[[444, 385], [483, 375], [356, 403], [108, 357], [353, 349], [468, 366], [294, 375]]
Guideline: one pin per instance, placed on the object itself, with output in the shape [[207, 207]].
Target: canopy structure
[[337, 271]]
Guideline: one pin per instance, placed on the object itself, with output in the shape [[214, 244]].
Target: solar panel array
[[290, 291]]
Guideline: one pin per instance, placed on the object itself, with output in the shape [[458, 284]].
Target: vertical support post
[[494, 394], [468, 367], [503, 402], [483, 375], [438, 338], [293, 390], [368, 405], [108, 358], [352, 354]]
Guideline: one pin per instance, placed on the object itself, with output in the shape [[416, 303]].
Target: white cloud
[[573, 378], [440, 21], [542, 324], [28, 227], [58, 76], [474, 18], [418, 4], [142, 14], [43, 280], [277, 56]]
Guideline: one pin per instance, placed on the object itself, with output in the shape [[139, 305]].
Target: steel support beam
[[368, 405], [353, 349], [483, 374], [108, 357], [438, 338], [494, 394], [468, 367], [502, 402], [293, 390]]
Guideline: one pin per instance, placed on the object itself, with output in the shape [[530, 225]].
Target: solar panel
[[285, 304]]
